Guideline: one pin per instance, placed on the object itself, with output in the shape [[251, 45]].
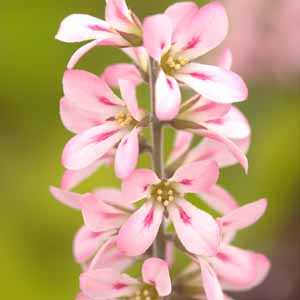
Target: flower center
[[172, 63], [146, 292], [164, 193], [125, 119]]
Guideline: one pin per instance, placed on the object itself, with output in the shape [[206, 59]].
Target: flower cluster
[[151, 217]]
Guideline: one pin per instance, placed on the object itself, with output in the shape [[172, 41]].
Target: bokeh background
[[36, 232]]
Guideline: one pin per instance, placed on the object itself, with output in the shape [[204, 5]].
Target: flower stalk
[[157, 154]]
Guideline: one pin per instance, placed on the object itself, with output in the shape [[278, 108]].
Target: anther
[[146, 293], [177, 67], [159, 192], [170, 192], [182, 60], [148, 298], [159, 198], [166, 203], [171, 198]]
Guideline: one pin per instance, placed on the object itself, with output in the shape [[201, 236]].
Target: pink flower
[[121, 29], [103, 212], [234, 268], [108, 283], [197, 230], [101, 120], [178, 37], [226, 130]]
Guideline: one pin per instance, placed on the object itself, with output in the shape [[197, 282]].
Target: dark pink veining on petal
[[192, 43], [226, 223], [186, 181], [119, 286], [201, 76], [149, 218], [224, 257], [146, 187], [106, 101], [170, 83], [184, 216], [103, 136]]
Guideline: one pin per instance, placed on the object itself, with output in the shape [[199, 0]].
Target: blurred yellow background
[[36, 232]]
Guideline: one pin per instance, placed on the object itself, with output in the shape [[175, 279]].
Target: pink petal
[[91, 93], [157, 35], [71, 179], [112, 197], [90, 145], [99, 216], [138, 233], [182, 143], [217, 151], [225, 60], [219, 199], [206, 111], [127, 155], [128, 92], [156, 272], [119, 16], [70, 199], [262, 268], [109, 256], [135, 187], [86, 243], [167, 97], [211, 283], [233, 125], [230, 145], [203, 31], [238, 268], [196, 229], [113, 73], [196, 177], [244, 216], [214, 83], [77, 119], [80, 27], [180, 12], [139, 56], [103, 284], [110, 39]]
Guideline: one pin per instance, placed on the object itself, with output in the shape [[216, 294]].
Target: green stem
[[159, 245]]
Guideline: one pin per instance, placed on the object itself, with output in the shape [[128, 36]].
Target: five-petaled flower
[[101, 120], [196, 229], [178, 37]]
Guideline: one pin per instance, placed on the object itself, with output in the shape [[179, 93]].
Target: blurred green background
[[37, 232]]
